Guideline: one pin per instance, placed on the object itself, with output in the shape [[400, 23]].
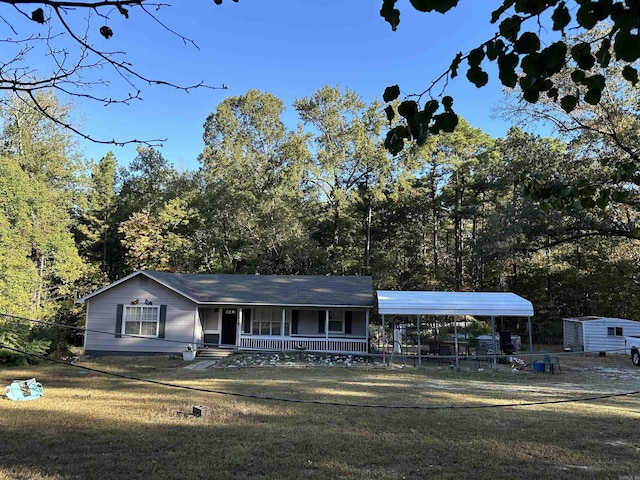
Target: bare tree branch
[[72, 56]]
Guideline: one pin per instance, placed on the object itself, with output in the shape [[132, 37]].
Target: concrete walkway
[[202, 364]]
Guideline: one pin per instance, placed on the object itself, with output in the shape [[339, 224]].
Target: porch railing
[[331, 345]]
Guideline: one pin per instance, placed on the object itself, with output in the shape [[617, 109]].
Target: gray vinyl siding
[[181, 319], [308, 324]]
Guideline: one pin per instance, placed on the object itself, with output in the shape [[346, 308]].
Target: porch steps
[[214, 353]]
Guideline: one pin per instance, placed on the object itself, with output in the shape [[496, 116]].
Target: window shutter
[[294, 322], [246, 319], [118, 332], [163, 320], [321, 321], [347, 322]]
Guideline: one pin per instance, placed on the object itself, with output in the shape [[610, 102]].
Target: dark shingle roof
[[281, 290]]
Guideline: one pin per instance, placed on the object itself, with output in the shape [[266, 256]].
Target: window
[[336, 321], [142, 320], [614, 331], [268, 321]]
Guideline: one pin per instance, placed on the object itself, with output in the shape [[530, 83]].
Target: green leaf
[[446, 122], [391, 93], [447, 103], [568, 103], [477, 76], [507, 64], [561, 17], [123, 11], [430, 107], [393, 142], [106, 32], [603, 55], [441, 6], [595, 81], [390, 113], [532, 7], [527, 43], [627, 46], [585, 16], [496, 14], [455, 64], [630, 74], [38, 15], [408, 109], [603, 199], [553, 58], [578, 76], [531, 95], [593, 96], [510, 27], [581, 53], [475, 57], [587, 202], [494, 49], [390, 13], [602, 9]]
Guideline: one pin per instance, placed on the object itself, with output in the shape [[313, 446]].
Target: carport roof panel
[[488, 304]]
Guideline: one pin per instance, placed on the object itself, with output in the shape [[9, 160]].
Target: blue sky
[[289, 48]]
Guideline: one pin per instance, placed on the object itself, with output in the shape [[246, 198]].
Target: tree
[[96, 223], [38, 169], [348, 156], [253, 202], [526, 60]]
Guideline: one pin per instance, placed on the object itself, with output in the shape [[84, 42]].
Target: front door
[[229, 325]]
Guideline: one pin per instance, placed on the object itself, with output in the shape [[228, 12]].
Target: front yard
[[91, 425]]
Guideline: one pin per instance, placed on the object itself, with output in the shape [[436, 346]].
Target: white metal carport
[[477, 304]]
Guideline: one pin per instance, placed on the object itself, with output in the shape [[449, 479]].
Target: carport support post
[[419, 335], [530, 343], [493, 339], [384, 339], [455, 335]]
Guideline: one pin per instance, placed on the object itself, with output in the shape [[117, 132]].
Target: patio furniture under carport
[[476, 304]]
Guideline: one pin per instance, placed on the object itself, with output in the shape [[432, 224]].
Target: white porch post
[[238, 326], [326, 330], [368, 332], [282, 324]]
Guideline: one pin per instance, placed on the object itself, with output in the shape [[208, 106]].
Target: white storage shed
[[598, 334]]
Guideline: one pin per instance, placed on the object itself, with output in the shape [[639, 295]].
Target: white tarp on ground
[[481, 304]]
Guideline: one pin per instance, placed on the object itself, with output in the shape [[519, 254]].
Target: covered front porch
[[285, 328]]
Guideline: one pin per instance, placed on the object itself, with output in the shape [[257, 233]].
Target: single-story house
[[598, 334], [163, 312]]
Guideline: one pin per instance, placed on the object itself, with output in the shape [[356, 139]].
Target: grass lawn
[[93, 426]]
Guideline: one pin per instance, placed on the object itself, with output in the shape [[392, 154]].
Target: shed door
[[229, 325]]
